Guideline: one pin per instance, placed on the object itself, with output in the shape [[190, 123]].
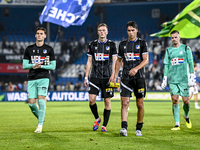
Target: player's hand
[[192, 80], [133, 71], [113, 79], [86, 82], [164, 82]]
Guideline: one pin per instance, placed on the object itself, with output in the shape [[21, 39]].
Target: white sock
[[196, 104], [97, 119], [177, 124], [40, 126]]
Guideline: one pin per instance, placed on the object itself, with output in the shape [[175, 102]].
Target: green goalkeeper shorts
[[181, 89], [37, 87]]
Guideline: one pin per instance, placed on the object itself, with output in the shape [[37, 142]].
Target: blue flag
[[66, 12]]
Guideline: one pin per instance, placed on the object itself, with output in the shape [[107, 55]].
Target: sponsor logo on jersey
[[177, 61], [124, 47], [33, 51], [37, 59], [44, 51], [95, 48], [137, 46], [107, 48], [101, 56], [38, 51], [131, 56], [180, 52]]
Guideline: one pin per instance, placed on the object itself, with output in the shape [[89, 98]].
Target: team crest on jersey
[[107, 48], [38, 51], [124, 47], [33, 51], [44, 51], [180, 52], [95, 48], [137, 46]]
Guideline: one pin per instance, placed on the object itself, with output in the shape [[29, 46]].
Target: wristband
[[86, 78]]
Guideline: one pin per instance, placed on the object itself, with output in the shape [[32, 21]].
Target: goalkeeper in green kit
[[179, 76]]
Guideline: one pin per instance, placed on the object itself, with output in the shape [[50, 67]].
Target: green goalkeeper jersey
[[176, 64]]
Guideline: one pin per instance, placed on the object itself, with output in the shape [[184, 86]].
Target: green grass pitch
[[68, 125]]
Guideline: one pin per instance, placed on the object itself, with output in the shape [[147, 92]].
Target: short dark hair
[[41, 28], [174, 31], [102, 25], [132, 23]]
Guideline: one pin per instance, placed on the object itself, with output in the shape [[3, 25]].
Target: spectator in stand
[[196, 54], [21, 50], [25, 85], [77, 86], [71, 86], [62, 87], [10, 87], [157, 51], [67, 86], [82, 43], [64, 46]]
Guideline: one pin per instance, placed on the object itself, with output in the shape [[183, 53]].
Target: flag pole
[[48, 33]]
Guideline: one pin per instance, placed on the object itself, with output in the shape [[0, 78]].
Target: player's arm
[[114, 58], [166, 69], [117, 67], [145, 61], [88, 67], [26, 64], [51, 66]]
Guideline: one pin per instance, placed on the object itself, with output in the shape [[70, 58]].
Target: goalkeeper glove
[[191, 80], [164, 82]]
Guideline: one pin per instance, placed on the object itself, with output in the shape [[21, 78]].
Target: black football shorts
[[137, 86], [100, 84]]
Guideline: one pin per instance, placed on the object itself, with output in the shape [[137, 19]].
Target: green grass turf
[[68, 125]]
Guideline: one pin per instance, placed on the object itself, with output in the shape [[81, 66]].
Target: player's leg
[[196, 97], [140, 92], [124, 115], [33, 106], [37, 102], [185, 93], [106, 114], [107, 93], [176, 111], [175, 91], [32, 95], [196, 101], [126, 93], [42, 93], [93, 92]]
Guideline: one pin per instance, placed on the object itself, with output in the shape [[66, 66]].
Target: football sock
[[196, 104], [94, 110], [34, 109], [106, 115], [176, 112], [139, 126], [177, 124], [186, 109], [41, 111], [124, 124]]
